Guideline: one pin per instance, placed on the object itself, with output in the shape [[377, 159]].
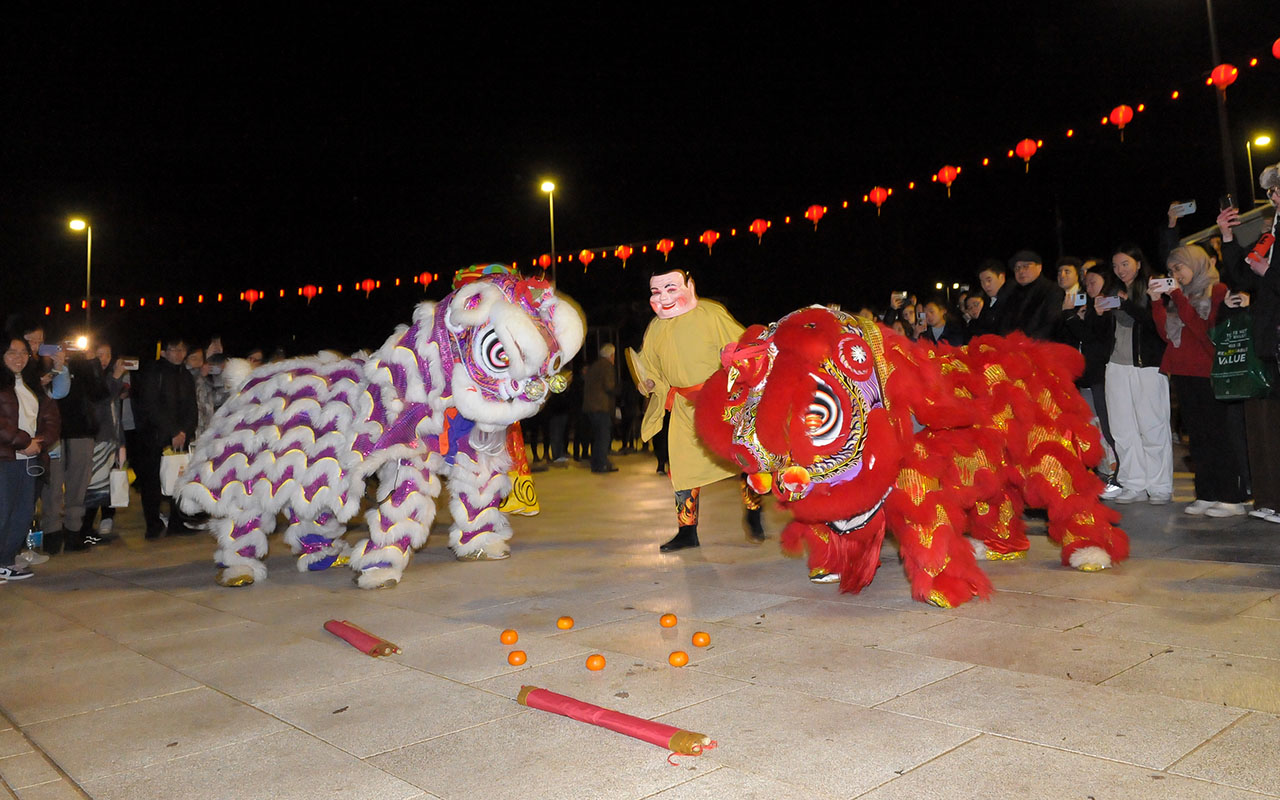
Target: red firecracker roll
[[679, 741], [360, 639]]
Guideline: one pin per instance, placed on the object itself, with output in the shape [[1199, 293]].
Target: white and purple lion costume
[[301, 437]]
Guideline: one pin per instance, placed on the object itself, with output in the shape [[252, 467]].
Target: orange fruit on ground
[[679, 658], [564, 623], [516, 657], [509, 637], [701, 639], [595, 662], [667, 620]]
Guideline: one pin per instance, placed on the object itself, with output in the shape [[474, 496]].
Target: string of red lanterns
[[1221, 77]]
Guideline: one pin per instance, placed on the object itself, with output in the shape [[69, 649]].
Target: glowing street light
[[81, 225], [550, 189], [1258, 141]]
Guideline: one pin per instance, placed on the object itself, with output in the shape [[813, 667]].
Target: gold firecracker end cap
[[225, 579], [688, 743], [522, 698]]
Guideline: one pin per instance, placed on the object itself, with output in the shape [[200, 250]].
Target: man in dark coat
[[992, 277], [165, 412], [1035, 305]]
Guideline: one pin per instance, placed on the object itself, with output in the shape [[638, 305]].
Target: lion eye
[[822, 419], [492, 353]]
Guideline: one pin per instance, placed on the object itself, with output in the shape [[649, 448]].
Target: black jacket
[[1264, 296], [1033, 309], [1095, 338], [1148, 345], [165, 403], [993, 313]]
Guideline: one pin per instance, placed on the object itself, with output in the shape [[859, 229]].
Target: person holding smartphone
[[1253, 270], [1183, 314], [28, 422], [1093, 333], [1137, 393]]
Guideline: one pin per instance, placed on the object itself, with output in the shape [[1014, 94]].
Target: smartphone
[[899, 295], [919, 316], [1080, 299], [1225, 202], [48, 350], [1162, 284], [1183, 209], [129, 363], [1108, 302]]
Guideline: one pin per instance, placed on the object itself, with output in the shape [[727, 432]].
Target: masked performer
[[681, 349]]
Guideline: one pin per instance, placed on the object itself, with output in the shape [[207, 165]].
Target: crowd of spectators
[[71, 416]]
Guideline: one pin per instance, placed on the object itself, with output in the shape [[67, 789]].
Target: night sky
[[249, 148]]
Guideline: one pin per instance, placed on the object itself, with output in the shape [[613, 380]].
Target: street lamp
[[81, 225], [550, 189], [1258, 141]]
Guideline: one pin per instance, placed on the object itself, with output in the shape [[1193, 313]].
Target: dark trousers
[[1205, 419], [1262, 422], [17, 507], [146, 464], [559, 434], [601, 438], [660, 442]]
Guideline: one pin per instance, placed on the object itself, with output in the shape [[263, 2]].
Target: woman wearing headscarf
[[1183, 316]]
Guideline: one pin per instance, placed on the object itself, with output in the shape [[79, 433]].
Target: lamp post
[[550, 189], [1258, 141], [81, 225]]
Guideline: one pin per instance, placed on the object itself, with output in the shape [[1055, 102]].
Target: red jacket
[[1194, 356], [13, 438]]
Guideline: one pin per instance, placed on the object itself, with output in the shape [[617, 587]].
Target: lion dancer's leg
[[937, 558], [998, 530], [687, 519], [242, 544], [317, 542], [399, 525], [1059, 481], [753, 502], [480, 531]]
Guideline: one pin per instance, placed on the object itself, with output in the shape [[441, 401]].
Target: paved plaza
[[126, 673]]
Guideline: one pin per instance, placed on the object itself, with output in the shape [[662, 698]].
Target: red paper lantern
[[814, 213], [586, 257], [664, 246], [544, 261], [1275, 48], [1120, 116], [947, 176], [623, 252], [1223, 76], [425, 278], [252, 296], [368, 285], [1025, 150], [309, 291], [878, 195], [709, 238], [758, 227]]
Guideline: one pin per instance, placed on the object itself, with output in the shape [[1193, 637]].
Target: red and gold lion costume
[[855, 428]]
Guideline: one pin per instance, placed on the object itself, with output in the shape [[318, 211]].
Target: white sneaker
[[32, 557], [106, 526], [1112, 491], [1262, 512], [1130, 496], [1198, 508], [1226, 510], [1273, 518]]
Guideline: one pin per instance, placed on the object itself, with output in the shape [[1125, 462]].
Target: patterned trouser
[[687, 502]]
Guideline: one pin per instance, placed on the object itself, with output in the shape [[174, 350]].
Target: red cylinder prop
[[679, 741]]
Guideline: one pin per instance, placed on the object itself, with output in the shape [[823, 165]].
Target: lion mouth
[[859, 520]]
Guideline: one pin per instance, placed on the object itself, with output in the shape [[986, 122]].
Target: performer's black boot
[[755, 526], [687, 537]]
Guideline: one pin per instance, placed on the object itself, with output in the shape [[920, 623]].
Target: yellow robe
[[685, 351]]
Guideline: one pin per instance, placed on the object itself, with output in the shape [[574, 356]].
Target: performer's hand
[[650, 385], [179, 440]]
